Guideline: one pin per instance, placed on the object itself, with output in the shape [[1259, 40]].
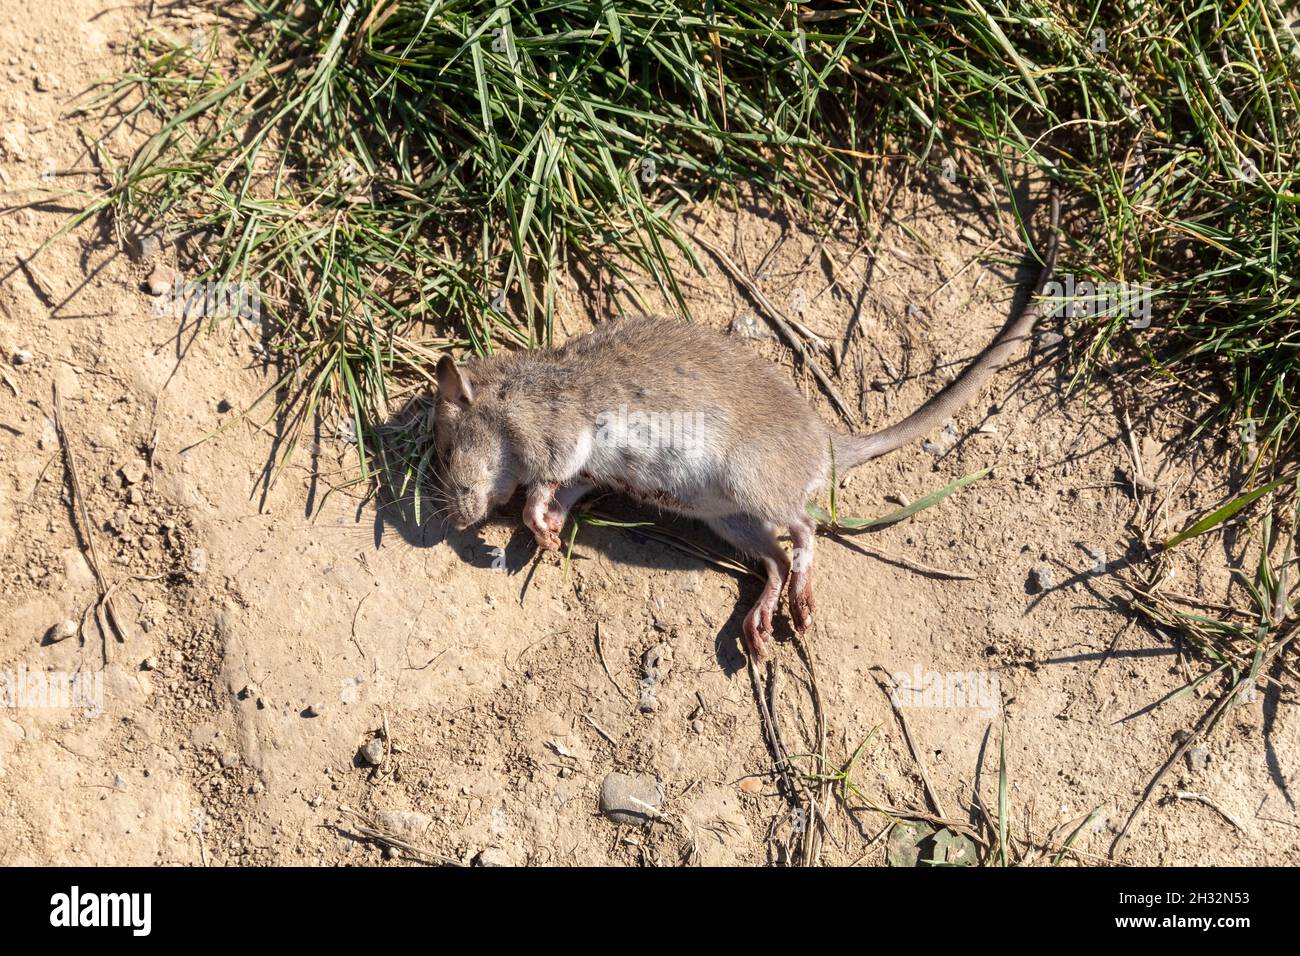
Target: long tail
[[853, 450]]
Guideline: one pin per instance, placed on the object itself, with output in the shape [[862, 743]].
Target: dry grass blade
[[369, 829]]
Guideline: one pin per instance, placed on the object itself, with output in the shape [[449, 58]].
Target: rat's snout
[[466, 507]]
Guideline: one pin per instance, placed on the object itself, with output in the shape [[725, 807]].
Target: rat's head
[[479, 466]]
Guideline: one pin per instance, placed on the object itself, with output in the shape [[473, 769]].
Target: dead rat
[[681, 417]]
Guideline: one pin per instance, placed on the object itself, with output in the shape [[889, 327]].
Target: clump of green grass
[[400, 176]]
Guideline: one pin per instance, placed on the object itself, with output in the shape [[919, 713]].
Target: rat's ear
[[453, 384]]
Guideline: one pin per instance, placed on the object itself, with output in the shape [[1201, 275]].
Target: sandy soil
[[273, 633]]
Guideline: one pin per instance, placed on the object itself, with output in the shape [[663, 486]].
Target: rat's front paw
[[554, 517], [546, 539]]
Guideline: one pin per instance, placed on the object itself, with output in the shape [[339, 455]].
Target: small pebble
[[62, 631], [373, 752], [748, 327], [198, 562], [161, 280], [1043, 577], [149, 664], [22, 357], [314, 710], [133, 471], [148, 245], [655, 663], [49, 436]]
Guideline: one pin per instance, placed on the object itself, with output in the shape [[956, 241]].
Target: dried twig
[[931, 793], [600, 653]]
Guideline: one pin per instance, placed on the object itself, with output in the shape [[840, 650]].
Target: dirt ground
[[273, 633]]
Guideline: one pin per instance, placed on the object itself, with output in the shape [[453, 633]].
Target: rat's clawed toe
[[547, 539], [758, 631], [758, 623], [801, 613], [802, 604]]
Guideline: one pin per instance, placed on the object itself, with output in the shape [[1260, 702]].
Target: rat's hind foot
[[757, 538], [758, 629], [802, 604]]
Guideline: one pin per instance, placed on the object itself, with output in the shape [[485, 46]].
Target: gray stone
[[401, 823], [634, 800], [748, 327], [492, 856], [373, 752]]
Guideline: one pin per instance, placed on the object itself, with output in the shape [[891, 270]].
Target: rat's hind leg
[[757, 538], [803, 534]]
